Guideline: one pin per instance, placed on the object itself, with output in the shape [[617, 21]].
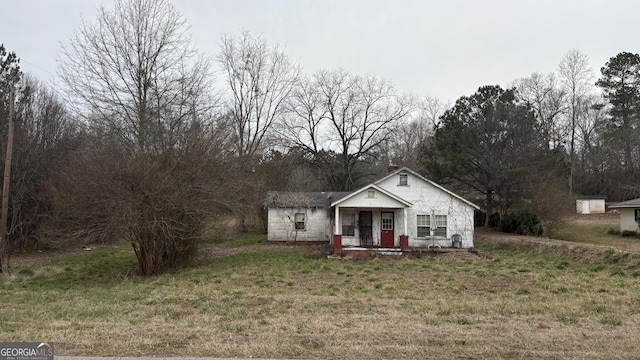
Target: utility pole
[[4, 241]]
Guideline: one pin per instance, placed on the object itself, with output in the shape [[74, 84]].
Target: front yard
[[249, 298]]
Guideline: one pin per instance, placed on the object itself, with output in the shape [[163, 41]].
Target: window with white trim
[[441, 226], [300, 221], [348, 224], [423, 225], [425, 228]]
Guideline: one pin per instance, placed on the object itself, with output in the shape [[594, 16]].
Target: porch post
[[337, 234], [404, 238], [406, 232]]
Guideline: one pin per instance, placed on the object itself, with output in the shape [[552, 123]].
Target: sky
[[444, 49]]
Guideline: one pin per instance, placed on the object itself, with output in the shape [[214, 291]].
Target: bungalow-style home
[[401, 210], [590, 204], [629, 214]]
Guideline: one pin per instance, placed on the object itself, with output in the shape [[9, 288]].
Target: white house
[[629, 214], [401, 210]]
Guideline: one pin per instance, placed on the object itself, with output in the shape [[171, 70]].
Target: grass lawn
[[595, 229], [248, 298]]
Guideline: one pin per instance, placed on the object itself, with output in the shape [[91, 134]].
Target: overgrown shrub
[[523, 223], [157, 203], [629, 233], [480, 217]]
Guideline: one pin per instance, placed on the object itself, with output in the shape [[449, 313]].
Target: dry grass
[[594, 229], [535, 301]]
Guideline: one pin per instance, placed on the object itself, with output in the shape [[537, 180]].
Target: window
[[425, 229], [299, 220], [423, 225], [403, 180], [371, 194], [637, 215], [348, 225], [441, 226], [387, 221]]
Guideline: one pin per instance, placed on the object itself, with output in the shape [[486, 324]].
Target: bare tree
[[403, 146], [260, 78], [342, 120], [136, 73], [545, 97], [415, 131], [592, 150], [159, 204], [156, 179], [44, 136], [577, 79], [431, 109]]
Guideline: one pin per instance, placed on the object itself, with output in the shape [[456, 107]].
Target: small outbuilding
[[629, 214], [591, 204]]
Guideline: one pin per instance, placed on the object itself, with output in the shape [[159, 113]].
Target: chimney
[[392, 168]]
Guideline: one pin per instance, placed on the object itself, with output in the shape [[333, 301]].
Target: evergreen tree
[[487, 143]]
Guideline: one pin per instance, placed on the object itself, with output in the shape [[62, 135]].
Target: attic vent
[[371, 194], [403, 180]]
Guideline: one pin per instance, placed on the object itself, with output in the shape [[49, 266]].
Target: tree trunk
[[489, 209]]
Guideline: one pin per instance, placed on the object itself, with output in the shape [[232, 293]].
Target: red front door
[[387, 235]]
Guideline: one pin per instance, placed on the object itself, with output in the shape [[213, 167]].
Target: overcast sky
[[445, 49]]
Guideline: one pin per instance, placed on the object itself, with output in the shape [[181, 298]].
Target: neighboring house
[[629, 214], [403, 209], [590, 204]]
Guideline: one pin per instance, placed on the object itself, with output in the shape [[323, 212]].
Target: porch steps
[[362, 252], [355, 252]]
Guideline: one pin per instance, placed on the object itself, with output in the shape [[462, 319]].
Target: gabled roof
[[406, 169], [287, 199], [635, 203], [377, 188]]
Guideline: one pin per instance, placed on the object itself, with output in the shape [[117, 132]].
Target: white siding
[[425, 199], [627, 220], [363, 200], [582, 207], [281, 226], [597, 206]]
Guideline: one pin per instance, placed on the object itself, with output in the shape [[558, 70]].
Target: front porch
[[339, 248], [371, 218]]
